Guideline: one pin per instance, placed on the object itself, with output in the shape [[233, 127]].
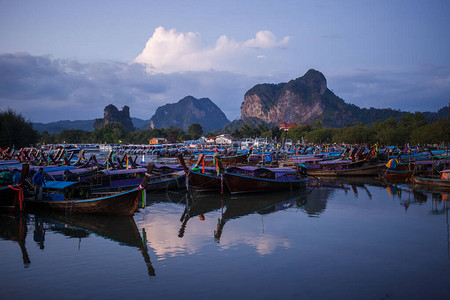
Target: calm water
[[341, 241]]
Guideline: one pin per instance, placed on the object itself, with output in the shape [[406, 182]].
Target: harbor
[[193, 232], [224, 150]]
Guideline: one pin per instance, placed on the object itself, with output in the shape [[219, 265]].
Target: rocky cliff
[[298, 99], [187, 111], [111, 114], [304, 100]]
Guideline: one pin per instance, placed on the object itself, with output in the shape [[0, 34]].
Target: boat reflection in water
[[119, 229], [313, 202], [198, 205], [239, 206], [15, 229], [336, 232]]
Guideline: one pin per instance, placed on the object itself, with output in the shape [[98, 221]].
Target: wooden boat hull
[[119, 204], [202, 182], [246, 184], [436, 182], [397, 176], [167, 182], [368, 170]]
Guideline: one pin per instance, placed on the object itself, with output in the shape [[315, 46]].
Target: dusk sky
[[67, 60]]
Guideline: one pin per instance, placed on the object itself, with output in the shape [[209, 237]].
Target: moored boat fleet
[[87, 180]]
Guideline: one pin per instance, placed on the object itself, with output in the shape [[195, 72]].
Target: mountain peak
[[111, 114], [304, 100], [187, 111]]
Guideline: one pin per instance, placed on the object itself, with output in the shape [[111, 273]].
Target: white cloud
[[168, 51], [266, 39]]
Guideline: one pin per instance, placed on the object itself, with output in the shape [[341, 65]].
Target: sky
[[67, 60]]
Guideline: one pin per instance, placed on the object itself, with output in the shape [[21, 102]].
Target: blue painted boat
[[112, 203]]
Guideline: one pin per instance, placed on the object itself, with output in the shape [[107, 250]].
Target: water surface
[[340, 240]]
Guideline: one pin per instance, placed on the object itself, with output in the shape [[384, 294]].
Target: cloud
[[266, 39], [408, 89], [44, 89], [168, 51]]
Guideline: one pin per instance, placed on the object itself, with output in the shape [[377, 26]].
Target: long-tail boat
[[156, 182], [202, 179], [11, 193], [346, 168], [256, 179], [230, 160], [163, 177], [442, 182], [115, 203]]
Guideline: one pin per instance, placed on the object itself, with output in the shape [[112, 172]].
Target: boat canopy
[[52, 168], [124, 171], [59, 185]]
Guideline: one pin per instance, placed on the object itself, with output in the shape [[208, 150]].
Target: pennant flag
[[392, 163]]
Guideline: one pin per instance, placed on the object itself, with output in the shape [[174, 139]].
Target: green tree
[[236, 133], [387, 132], [15, 131], [408, 123], [436, 132], [297, 132], [174, 133], [140, 136], [321, 135], [111, 133], [195, 130], [267, 134], [276, 132], [355, 134], [317, 124], [46, 138], [73, 136], [247, 131]]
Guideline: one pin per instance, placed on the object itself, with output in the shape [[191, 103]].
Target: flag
[[392, 163]]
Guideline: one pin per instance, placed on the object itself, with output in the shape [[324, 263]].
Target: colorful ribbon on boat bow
[[20, 189]]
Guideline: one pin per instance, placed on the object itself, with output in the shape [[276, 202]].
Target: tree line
[[411, 128]]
